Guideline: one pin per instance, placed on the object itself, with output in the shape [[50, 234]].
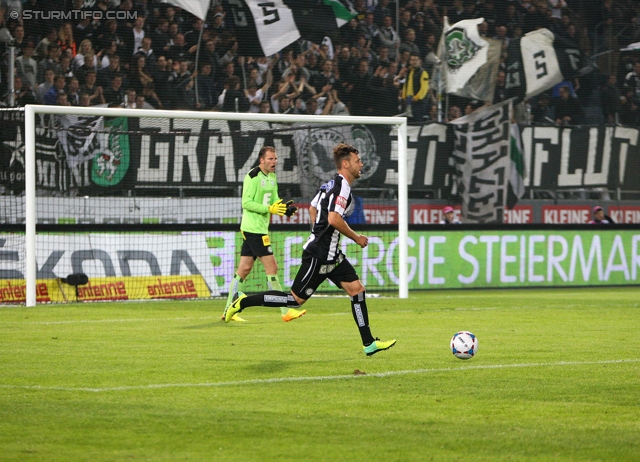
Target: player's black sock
[[270, 298], [361, 316]]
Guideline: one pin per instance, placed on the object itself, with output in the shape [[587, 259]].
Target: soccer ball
[[464, 345]]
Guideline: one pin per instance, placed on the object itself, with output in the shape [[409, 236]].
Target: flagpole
[[196, 65]]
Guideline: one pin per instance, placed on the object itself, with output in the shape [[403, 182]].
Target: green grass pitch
[[556, 377]]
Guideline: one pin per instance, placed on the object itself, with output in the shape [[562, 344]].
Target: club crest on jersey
[[341, 202]]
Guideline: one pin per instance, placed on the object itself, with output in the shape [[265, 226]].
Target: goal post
[[32, 112]]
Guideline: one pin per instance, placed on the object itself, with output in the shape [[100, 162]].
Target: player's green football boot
[[235, 317], [293, 314], [378, 345], [234, 308]]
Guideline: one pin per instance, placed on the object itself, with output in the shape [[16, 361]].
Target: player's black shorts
[[255, 245], [314, 272]]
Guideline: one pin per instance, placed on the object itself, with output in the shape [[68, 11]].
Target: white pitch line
[[202, 318], [317, 378]]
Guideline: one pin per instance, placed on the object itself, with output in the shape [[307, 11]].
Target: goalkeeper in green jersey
[[259, 201]]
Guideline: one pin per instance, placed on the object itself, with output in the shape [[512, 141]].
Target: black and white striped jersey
[[334, 196]]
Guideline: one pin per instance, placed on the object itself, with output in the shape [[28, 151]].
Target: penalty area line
[[321, 378]]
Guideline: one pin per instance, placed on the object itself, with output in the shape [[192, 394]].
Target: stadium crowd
[[367, 68]]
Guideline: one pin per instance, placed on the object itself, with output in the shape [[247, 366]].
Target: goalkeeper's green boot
[[234, 308], [378, 345]]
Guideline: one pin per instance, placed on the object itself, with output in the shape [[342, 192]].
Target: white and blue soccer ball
[[464, 345]]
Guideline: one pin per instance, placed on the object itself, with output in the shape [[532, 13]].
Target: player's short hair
[[264, 150], [341, 152]]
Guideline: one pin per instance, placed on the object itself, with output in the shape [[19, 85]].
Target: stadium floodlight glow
[[31, 111]]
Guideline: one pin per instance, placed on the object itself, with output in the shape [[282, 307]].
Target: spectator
[[114, 94], [542, 111], [179, 51], [151, 97], [384, 91], [19, 39], [51, 96], [629, 108], [129, 99], [139, 75], [210, 55], [449, 217], [52, 61], [111, 35], [66, 41], [61, 99], [148, 53], [368, 27], [599, 218], [90, 88], [26, 67], [141, 103], [265, 107], [387, 37], [45, 86], [404, 23], [610, 100], [568, 110], [161, 84], [234, 100], [160, 36], [453, 113], [192, 36], [349, 33], [133, 38], [409, 43], [23, 95], [500, 92], [42, 50], [88, 63], [65, 66], [72, 92], [205, 87], [256, 95], [632, 79], [359, 94], [105, 75], [85, 100], [415, 89]]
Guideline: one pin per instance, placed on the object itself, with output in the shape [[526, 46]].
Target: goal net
[[147, 204]]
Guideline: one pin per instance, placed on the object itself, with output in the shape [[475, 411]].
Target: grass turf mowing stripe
[[318, 378]]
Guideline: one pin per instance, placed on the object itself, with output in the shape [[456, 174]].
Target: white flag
[[540, 62], [198, 8], [470, 61]]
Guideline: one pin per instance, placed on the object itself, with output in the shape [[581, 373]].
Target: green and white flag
[[470, 62], [342, 12]]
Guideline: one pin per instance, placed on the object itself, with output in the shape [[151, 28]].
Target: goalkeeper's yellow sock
[[274, 284]]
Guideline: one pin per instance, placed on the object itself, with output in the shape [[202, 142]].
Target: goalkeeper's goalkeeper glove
[[291, 209], [278, 208]]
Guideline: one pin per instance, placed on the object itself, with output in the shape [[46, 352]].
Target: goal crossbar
[[30, 171]]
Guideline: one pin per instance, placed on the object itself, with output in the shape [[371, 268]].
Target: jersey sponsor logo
[[341, 202]]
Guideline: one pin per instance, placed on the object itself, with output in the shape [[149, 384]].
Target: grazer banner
[[481, 152], [463, 259], [157, 154]]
